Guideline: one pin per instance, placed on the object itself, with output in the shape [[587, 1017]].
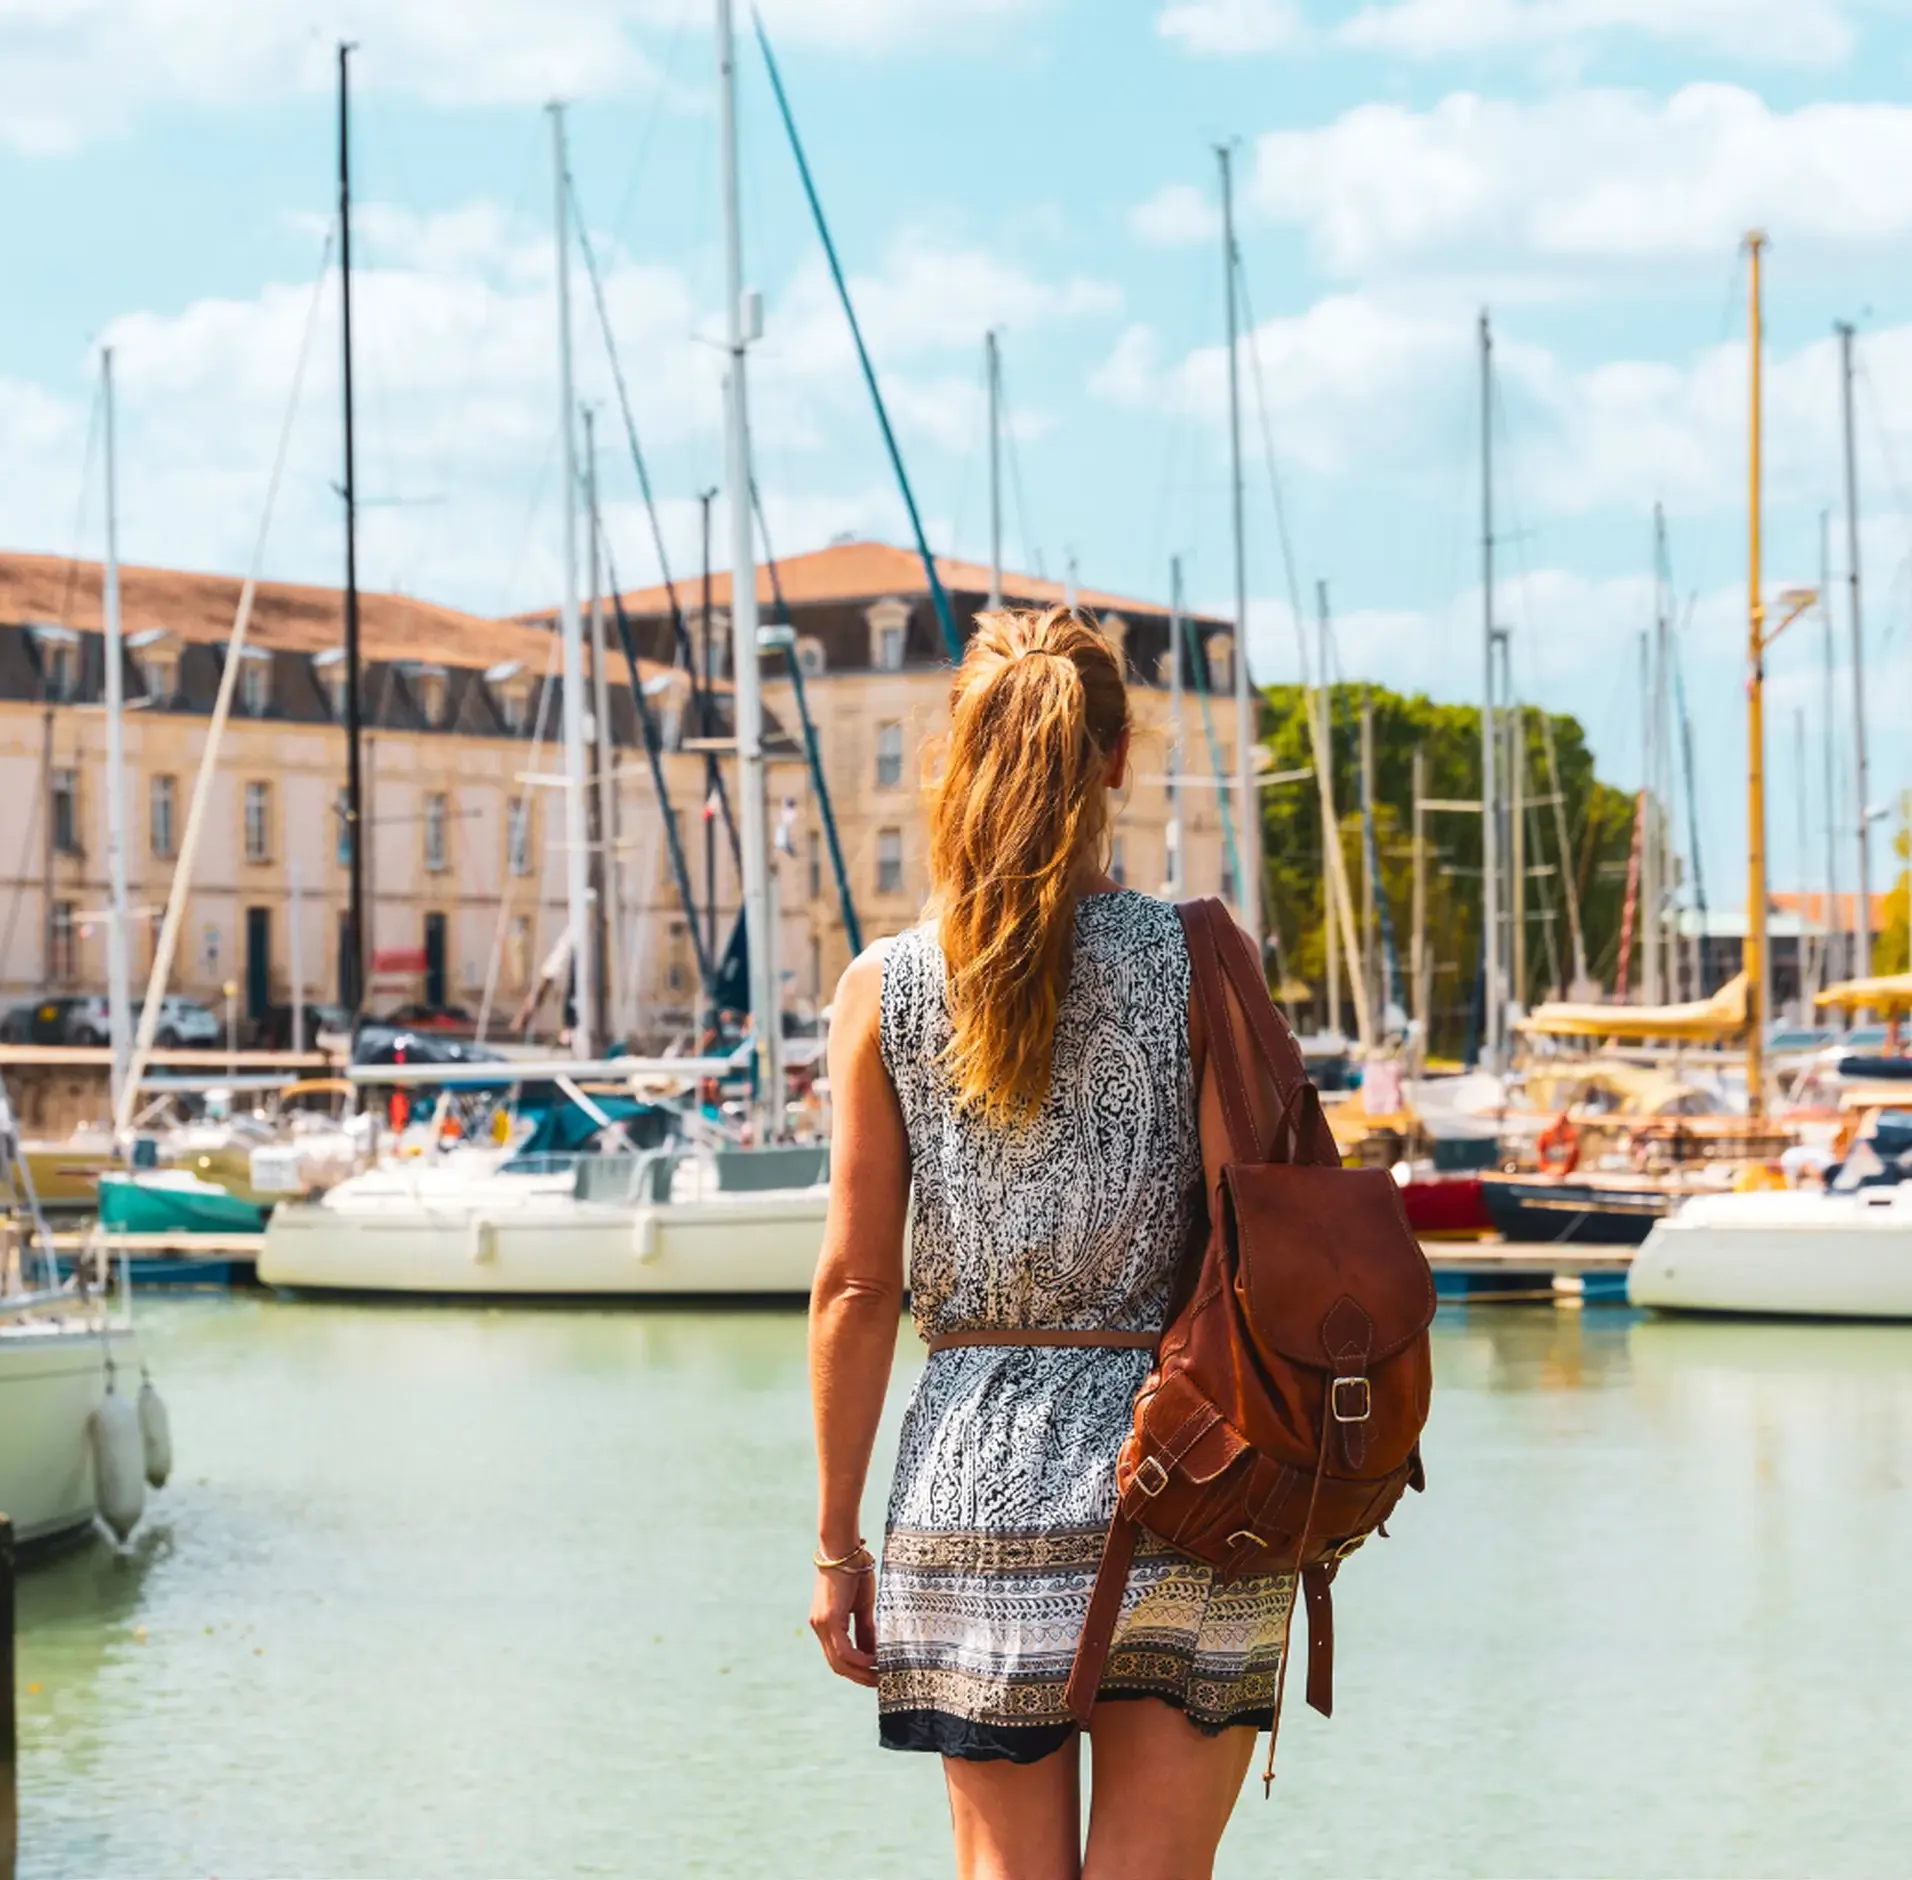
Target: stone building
[[461, 758]]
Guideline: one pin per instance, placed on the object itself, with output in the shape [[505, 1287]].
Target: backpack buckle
[[1342, 1414], [1140, 1479]]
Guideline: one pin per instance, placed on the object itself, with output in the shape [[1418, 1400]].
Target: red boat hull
[[1449, 1207]]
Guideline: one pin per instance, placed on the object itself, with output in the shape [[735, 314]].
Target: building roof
[[1811, 905], [286, 617], [868, 571]]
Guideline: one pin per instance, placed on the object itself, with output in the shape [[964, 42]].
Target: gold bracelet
[[842, 1564]]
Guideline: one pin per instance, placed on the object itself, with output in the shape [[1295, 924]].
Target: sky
[[1582, 170]]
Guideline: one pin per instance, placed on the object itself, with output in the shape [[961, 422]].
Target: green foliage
[[1599, 827]]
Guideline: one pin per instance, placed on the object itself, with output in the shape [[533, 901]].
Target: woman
[[1031, 1060]]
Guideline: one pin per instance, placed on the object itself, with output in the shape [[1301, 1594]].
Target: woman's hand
[[843, 1616]]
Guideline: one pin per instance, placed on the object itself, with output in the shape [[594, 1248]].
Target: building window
[[62, 961], [1118, 861], [674, 971], [342, 812], [437, 814], [810, 657], [258, 822], [335, 692], [1221, 663], [816, 967], [431, 697], [518, 951], [160, 799], [518, 835], [255, 687], [889, 649], [889, 861], [889, 756], [511, 707], [66, 811], [62, 668], [159, 673], [816, 864]]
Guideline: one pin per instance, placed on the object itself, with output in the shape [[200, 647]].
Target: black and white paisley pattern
[[1005, 1476]]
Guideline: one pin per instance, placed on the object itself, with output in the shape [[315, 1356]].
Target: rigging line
[[221, 710], [79, 511], [701, 694], [654, 756], [1031, 554], [952, 638], [1686, 758], [649, 132], [1274, 475], [512, 837], [812, 748], [441, 519]]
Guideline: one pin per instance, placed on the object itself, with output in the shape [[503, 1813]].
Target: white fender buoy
[[119, 1458], [156, 1434]]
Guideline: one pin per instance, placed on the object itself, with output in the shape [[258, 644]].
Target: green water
[[499, 1592]]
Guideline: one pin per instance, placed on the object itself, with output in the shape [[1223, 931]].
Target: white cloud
[[456, 347], [1233, 26], [78, 70], [1175, 216], [1586, 176], [1783, 31]]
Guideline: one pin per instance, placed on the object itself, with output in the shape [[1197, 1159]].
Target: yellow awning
[[1890, 992], [1699, 1020]]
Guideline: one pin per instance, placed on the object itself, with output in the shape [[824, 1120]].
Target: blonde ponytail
[[1036, 710]]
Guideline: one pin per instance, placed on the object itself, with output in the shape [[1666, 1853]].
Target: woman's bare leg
[[1017, 1821], [1161, 1793]]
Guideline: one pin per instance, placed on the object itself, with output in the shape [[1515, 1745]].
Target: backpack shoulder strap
[[1199, 921]]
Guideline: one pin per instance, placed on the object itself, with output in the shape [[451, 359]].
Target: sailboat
[[700, 1218]]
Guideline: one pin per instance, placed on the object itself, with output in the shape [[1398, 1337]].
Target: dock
[[1483, 1272], [170, 1258]]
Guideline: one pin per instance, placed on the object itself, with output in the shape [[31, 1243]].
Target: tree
[[1599, 825]]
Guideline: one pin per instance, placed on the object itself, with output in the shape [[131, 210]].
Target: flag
[[712, 803]]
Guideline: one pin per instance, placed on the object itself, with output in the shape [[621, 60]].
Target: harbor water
[[449, 1591]]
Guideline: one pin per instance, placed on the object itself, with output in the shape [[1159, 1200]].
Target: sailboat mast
[[1417, 958], [1489, 784], [577, 854], [759, 939], [353, 976], [1247, 797], [1324, 784], [993, 361], [1176, 636], [119, 994], [1829, 935], [1755, 956], [604, 758], [1862, 906]]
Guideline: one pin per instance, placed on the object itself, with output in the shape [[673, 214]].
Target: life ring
[[1559, 1146]]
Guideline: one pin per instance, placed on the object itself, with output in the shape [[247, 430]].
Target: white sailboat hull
[[51, 1377], [549, 1244], [1788, 1254]]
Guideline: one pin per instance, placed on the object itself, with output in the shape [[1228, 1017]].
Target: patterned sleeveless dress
[[1005, 1480]]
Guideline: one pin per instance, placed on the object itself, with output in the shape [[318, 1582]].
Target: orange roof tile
[[858, 571], [285, 616]]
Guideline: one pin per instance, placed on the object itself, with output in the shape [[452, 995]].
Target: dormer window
[[810, 656], [156, 653], [889, 628], [255, 684], [429, 688], [511, 690], [59, 649], [1220, 650], [330, 668]]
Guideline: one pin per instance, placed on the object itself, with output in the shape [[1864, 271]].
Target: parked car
[[453, 1020], [185, 1022], [65, 1018]]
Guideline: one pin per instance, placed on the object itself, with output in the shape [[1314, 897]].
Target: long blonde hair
[[1037, 708]]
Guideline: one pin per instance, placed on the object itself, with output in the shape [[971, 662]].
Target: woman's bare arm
[[855, 1304]]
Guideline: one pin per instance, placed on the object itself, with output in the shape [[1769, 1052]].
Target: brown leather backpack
[[1282, 1420]]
